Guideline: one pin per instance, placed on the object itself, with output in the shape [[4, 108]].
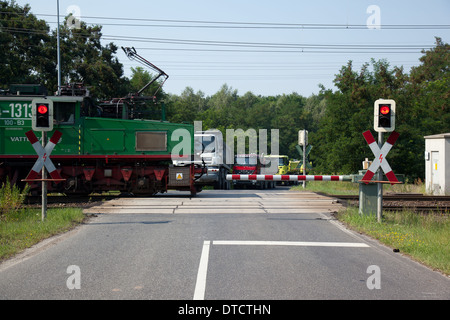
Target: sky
[[266, 47]]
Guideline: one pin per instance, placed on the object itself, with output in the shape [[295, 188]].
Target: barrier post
[[44, 181], [379, 184]]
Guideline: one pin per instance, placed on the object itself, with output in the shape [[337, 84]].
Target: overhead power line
[[174, 23], [268, 44], [248, 47]]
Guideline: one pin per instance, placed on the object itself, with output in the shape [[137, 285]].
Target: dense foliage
[[335, 119], [29, 50]]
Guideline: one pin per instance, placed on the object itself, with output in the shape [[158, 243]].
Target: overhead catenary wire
[[195, 47], [251, 47], [178, 23], [243, 46]]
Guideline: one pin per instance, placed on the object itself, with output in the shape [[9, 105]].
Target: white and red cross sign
[[43, 156], [380, 157]]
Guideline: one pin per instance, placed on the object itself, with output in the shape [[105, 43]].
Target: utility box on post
[[437, 164], [368, 198], [368, 195]]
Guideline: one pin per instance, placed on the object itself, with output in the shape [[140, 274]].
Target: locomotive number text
[[16, 114], [19, 110]]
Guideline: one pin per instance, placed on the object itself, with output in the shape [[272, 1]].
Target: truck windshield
[[282, 162]]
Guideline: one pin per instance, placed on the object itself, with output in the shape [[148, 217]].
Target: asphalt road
[[235, 244]]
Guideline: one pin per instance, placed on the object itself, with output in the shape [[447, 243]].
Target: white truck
[[210, 152]]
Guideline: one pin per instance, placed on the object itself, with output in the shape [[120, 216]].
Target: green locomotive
[[106, 146]]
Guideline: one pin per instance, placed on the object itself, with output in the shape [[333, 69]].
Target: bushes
[[11, 198], [21, 227]]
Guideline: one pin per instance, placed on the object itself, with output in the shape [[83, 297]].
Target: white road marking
[[200, 286], [292, 243]]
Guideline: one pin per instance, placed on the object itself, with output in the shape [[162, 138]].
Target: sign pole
[[58, 55], [379, 184], [44, 182], [304, 157], [44, 162]]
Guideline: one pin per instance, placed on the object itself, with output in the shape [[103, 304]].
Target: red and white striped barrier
[[286, 177]]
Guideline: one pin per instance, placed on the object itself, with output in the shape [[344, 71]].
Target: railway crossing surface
[[221, 245]]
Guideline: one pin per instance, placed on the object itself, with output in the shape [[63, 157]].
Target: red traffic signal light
[[43, 117], [42, 108], [385, 109], [384, 116]]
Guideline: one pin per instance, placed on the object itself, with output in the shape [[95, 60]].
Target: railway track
[[63, 200], [415, 202], [400, 197]]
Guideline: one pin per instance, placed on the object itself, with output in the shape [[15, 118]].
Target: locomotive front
[[104, 147]]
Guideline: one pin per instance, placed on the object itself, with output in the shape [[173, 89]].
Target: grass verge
[[23, 228], [349, 188], [424, 237], [329, 187]]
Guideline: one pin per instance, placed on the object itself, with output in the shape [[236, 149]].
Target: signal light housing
[[384, 115], [42, 114]]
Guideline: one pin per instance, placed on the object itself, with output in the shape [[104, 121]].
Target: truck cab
[[249, 164], [281, 161], [209, 147], [210, 152]]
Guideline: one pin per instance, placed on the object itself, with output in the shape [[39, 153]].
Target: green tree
[[140, 78], [422, 100], [429, 87], [187, 107], [28, 54], [23, 43], [222, 109], [289, 117], [339, 145], [84, 59], [425, 100]]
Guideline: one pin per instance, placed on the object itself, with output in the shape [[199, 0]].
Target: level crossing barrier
[[287, 177]]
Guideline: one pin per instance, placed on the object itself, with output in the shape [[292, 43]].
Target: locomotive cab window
[[64, 112]]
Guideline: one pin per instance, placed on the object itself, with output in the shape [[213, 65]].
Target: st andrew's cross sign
[[380, 157], [43, 156]]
